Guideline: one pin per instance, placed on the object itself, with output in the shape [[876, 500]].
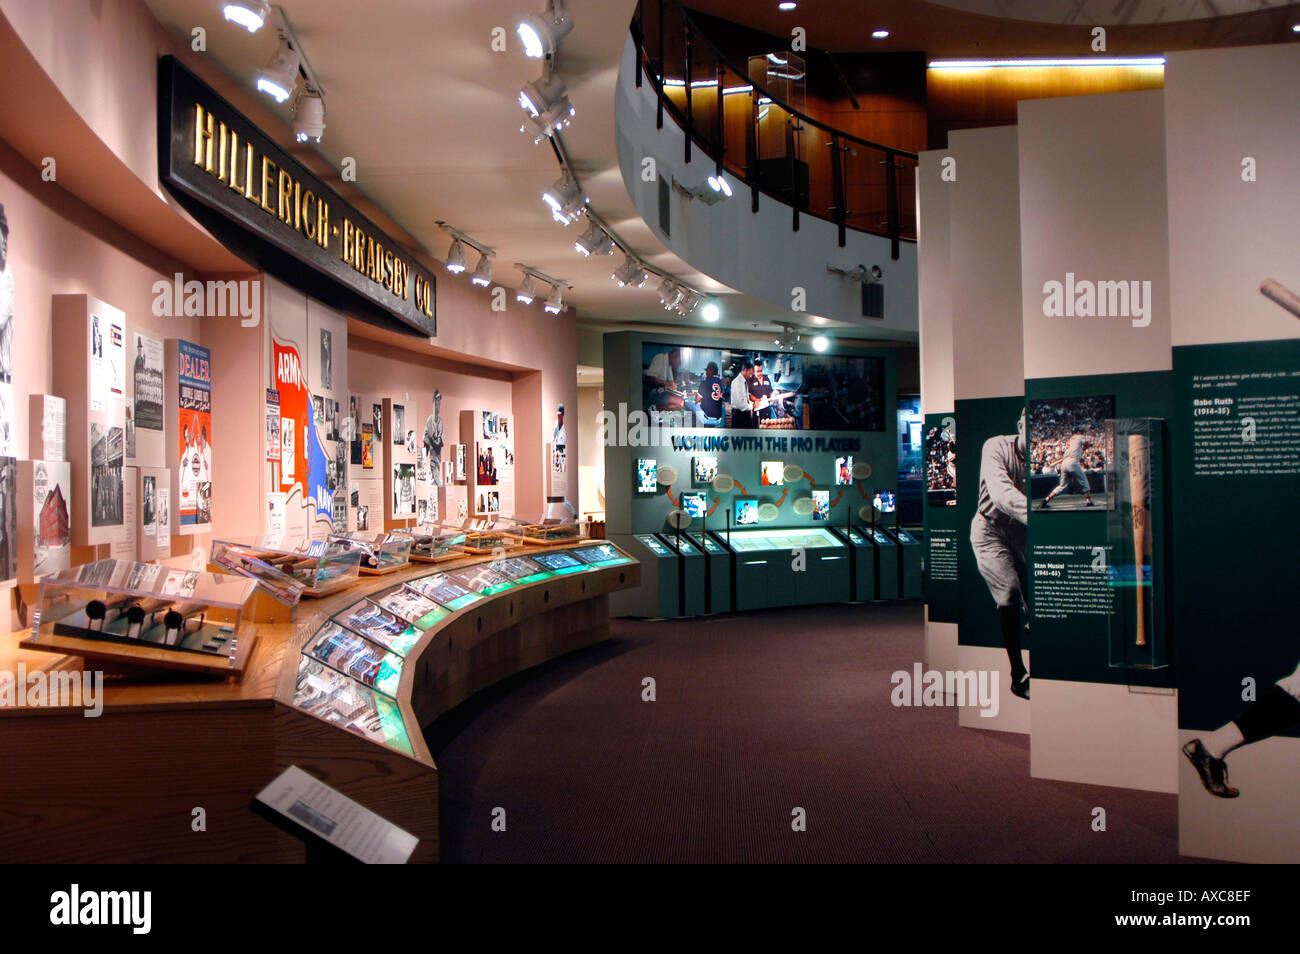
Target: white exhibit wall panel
[[1095, 258], [1232, 121]]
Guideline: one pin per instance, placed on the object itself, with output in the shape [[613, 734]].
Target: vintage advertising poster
[[272, 424], [194, 377], [147, 379], [367, 446], [51, 520]]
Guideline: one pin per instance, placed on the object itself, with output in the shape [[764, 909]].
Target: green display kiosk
[[690, 573], [909, 563], [862, 562], [659, 594], [717, 573], [770, 572], [888, 581]]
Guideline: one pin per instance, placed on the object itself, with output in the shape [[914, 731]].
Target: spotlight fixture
[[594, 241], [711, 191], [547, 104], [631, 273], [670, 294], [821, 343], [566, 199], [859, 273], [483, 272], [710, 311], [691, 299], [249, 14], [786, 5], [541, 33], [555, 304], [309, 117], [527, 291], [279, 77], [456, 257], [456, 262], [880, 34]]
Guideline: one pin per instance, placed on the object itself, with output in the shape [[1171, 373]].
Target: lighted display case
[[249, 562], [434, 544], [380, 552], [380, 626], [1135, 537], [321, 566], [145, 614], [788, 567], [340, 700]]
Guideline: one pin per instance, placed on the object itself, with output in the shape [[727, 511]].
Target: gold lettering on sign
[[309, 214], [234, 162], [269, 169], [284, 198], [203, 138], [277, 192], [248, 173]]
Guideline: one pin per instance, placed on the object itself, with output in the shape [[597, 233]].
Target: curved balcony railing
[[774, 148]]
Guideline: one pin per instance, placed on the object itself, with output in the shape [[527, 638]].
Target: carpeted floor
[[757, 714]]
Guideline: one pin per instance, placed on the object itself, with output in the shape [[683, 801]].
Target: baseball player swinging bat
[[1279, 293], [1139, 484]]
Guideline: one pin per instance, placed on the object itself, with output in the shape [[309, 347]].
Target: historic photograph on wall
[[1068, 451], [52, 525]]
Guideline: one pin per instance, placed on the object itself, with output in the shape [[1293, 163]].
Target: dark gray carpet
[[758, 714]]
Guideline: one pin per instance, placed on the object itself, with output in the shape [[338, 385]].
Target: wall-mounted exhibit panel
[[90, 374]]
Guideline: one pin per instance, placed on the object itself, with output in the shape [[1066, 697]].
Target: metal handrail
[[802, 117], [839, 140]]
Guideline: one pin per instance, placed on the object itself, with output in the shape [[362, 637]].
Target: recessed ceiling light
[[821, 343], [787, 5], [880, 34], [1295, 28], [710, 311]]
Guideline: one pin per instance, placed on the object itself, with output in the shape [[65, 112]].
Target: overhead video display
[[723, 387]]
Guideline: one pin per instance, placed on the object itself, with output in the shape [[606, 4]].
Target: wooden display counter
[[167, 771]]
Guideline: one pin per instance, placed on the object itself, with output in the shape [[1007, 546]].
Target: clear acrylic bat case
[[319, 566], [145, 615], [1135, 552], [380, 552]]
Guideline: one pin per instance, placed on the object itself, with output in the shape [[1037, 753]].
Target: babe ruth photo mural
[[999, 536]]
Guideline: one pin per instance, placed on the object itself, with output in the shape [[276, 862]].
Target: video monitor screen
[[695, 505], [773, 473], [646, 475], [746, 511], [821, 504], [884, 501], [703, 470], [843, 471]]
